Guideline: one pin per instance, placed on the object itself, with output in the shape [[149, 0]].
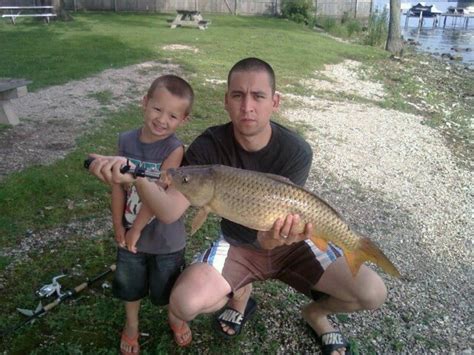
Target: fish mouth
[[167, 176]]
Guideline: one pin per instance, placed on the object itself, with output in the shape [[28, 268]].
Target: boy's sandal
[[234, 319], [128, 345], [179, 335], [333, 341]]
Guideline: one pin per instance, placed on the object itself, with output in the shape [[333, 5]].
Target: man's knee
[[374, 294], [198, 288]]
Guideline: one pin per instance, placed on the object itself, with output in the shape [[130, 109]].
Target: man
[[241, 255]]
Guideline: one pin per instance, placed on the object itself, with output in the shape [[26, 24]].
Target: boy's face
[[163, 114], [250, 102]]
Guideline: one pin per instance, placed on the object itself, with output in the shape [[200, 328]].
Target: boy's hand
[[284, 232], [131, 238], [120, 236]]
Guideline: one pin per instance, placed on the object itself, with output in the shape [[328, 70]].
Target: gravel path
[[394, 180], [389, 175]]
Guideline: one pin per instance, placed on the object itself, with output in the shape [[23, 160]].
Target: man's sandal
[[179, 335], [129, 346], [234, 319], [333, 341]]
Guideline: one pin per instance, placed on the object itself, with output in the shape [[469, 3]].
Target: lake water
[[438, 40]]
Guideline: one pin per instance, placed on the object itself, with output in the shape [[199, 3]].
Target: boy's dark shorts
[[141, 274]]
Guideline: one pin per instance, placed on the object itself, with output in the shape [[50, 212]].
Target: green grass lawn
[[38, 197]]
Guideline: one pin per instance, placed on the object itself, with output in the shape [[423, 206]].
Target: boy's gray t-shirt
[[156, 237]]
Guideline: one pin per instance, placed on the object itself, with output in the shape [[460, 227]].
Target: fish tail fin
[[369, 251], [373, 253]]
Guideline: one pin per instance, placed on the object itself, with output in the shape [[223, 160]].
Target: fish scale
[[256, 200]]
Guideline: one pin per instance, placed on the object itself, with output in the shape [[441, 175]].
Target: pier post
[[420, 20]]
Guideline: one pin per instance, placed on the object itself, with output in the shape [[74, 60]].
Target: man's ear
[[276, 100], [144, 101], [226, 101]]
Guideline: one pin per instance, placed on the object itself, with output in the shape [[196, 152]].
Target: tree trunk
[[60, 8], [394, 40]]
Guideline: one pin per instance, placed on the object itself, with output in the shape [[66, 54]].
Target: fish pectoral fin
[[320, 243], [199, 219]]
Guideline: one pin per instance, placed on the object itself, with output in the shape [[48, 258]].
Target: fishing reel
[[49, 289]]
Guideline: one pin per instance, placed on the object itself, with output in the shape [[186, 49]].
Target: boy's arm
[[174, 159], [167, 205], [141, 220], [145, 213], [117, 206]]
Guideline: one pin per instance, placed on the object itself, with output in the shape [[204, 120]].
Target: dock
[[463, 19]]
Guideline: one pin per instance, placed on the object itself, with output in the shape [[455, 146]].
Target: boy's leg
[[130, 329], [164, 271], [130, 285]]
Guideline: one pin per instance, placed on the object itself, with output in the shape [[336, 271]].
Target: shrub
[[296, 10], [353, 26], [377, 29]]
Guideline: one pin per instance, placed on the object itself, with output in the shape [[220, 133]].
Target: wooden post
[[420, 20]]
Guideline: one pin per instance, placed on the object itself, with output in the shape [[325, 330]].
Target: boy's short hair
[[253, 64], [176, 86]]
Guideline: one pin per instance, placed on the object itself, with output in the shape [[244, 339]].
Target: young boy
[[150, 254]]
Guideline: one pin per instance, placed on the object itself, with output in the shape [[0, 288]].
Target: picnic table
[[185, 18], [12, 12], [11, 89]]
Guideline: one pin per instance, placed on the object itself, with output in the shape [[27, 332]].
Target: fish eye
[[185, 179]]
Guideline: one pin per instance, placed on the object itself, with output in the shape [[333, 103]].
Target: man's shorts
[[141, 274], [299, 265]]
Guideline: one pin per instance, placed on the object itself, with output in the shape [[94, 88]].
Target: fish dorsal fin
[[285, 180], [279, 178]]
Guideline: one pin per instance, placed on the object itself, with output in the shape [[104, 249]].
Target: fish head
[[196, 183]]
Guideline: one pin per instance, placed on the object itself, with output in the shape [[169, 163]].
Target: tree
[[394, 40], [60, 8]]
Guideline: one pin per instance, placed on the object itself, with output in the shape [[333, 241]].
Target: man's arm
[[168, 205]]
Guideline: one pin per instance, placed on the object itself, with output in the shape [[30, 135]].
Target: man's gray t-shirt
[[156, 237]]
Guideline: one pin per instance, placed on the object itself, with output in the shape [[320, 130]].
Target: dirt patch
[[180, 47], [51, 119]]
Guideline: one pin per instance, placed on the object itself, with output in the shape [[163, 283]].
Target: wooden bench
[[11, 89], [13, 12]]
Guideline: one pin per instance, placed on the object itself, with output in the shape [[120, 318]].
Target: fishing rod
[[137, 171], [41, 310]]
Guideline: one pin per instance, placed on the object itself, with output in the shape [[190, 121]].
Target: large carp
[[256, 200]]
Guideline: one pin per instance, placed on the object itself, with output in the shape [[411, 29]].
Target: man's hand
[[107, 169], [284, 232]]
